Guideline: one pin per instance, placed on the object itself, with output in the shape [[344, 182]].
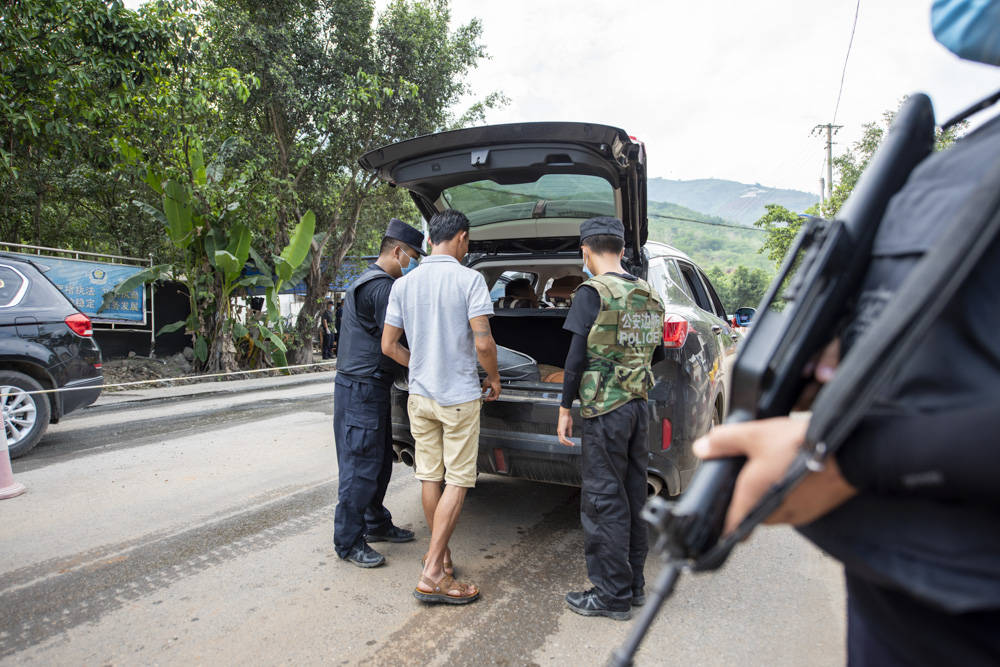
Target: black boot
[[394, 534], [363, 555], [588, 603]]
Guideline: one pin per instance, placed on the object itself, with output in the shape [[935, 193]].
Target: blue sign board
[[86, 282]]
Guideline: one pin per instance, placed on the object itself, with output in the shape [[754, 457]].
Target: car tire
[[28, 414]]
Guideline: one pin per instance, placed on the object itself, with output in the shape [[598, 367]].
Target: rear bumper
[[83, 393], [517, 438]]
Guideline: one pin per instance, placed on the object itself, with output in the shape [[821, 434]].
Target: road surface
[[198, 530]]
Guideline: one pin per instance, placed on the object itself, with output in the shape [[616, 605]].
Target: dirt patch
[[173, 368]]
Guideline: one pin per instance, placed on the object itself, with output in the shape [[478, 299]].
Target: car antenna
[[984, 103]]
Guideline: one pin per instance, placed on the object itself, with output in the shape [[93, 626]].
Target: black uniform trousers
[[328, 341], [615, 460], [362, 428]]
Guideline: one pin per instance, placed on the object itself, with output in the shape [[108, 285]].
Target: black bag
[[514, 366]]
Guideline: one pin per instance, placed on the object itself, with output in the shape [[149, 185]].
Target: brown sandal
[[439, 591], [447, 565]]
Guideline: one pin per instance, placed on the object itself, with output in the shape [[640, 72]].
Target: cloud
[[726, 89]]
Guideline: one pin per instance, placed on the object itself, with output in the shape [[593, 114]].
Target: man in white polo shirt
[[444, 309]]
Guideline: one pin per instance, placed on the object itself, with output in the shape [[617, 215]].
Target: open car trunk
[[531, 345]]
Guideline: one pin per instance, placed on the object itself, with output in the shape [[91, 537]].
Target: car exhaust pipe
[[406, 455], [395, 453], [653, 486]]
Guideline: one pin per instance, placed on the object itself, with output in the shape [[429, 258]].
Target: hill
[[708, 245], [737, 202]]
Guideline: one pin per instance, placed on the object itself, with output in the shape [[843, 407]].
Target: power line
[[843, 72], [706, 222]]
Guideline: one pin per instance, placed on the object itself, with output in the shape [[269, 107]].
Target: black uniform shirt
[[579, 321]]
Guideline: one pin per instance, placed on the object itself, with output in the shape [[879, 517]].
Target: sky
[[718, 89], [721, 88]]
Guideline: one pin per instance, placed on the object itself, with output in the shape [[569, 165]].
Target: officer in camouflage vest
[[617, 325]]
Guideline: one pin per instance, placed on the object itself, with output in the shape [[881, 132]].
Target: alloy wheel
[[19, 413]]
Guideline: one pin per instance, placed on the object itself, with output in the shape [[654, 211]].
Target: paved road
[[197, 530]]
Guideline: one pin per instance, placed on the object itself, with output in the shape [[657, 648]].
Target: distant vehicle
[[744, 316], [45, 343], [525, 189]]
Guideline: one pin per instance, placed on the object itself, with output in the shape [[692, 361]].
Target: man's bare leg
[[430, 495], [446, 513]]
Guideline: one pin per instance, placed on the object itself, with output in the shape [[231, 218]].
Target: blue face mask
[[409, 267], [968, 28], [586, 271]]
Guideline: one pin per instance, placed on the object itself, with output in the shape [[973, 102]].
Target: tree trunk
[[37, 216]]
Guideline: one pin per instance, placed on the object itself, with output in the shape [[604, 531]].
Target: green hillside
[[708, 245]]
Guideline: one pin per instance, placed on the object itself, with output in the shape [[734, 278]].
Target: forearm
[[950, 455], [392, 347], [486, 352], [576, 363], [398, 353]]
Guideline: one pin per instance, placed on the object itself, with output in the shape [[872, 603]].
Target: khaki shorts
[[447, 440]]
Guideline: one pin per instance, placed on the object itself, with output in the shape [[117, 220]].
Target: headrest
[[520, 287], [562, 288]]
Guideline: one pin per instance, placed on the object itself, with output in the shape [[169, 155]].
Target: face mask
[[968, 28], [587, 271], [409, 267]]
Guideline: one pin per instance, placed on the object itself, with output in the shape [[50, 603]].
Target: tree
[[213, 252], [336, 81], [853, 162], [783, 225], [740, 287], [67, 69]]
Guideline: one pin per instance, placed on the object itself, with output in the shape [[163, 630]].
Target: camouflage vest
[[620, 344]]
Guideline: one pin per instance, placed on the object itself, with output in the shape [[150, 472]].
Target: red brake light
[[668, 434], [675, 331], [80, 324]]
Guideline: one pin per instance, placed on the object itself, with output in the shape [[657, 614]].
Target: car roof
[[659, 249]]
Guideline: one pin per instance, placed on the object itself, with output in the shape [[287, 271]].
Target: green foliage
[[852, 163], [782, 226], [707, 245], [204, 132], [213, 252], [740, 287]]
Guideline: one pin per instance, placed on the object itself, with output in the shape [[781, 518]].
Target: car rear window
[[551, 196], [12, 286]]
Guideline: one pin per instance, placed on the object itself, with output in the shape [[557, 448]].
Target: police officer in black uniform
[[361, 413], [910, 503]]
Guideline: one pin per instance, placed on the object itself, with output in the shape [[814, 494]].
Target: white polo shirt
[[433, 304]]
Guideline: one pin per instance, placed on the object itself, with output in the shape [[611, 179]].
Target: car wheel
[[26, 416]]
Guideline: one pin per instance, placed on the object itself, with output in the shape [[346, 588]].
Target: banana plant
[[214, 250]]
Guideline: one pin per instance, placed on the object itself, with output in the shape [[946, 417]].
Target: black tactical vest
[[359, 350]]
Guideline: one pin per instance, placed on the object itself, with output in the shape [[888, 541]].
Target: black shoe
[[587, 603], [638, 597], [394, 534], [363, 555]]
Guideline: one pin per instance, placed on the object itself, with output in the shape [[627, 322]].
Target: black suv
[[525, 189], [45, 343]]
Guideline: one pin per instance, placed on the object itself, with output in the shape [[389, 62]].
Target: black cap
[[602, 225], [411, 236]]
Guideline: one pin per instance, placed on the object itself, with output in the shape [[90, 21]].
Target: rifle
[[817, 281]]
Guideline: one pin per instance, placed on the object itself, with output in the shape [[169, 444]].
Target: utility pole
[[831, 130]]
